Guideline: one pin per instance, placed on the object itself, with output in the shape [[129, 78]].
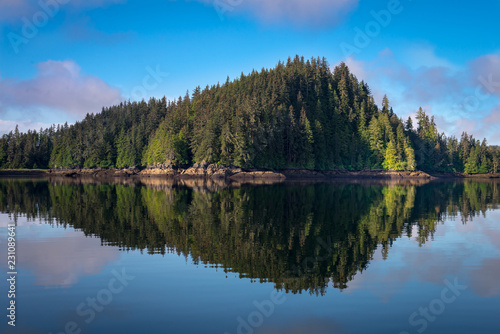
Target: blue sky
[[61, 59]]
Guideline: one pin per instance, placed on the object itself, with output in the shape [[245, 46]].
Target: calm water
[[157, 257]]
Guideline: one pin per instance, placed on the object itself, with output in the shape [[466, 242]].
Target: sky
[[62, 59]]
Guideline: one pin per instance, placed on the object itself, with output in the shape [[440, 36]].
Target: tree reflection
[[302, 237]]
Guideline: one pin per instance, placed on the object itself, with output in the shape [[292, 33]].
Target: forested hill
[[298, 115]]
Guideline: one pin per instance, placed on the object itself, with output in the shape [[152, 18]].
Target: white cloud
[[357, 68], [485, 71], [458, 97], [425, 56], [316, 13], [489, 126], [58, 85]]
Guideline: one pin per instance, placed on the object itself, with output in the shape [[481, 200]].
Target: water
[[154, 256]]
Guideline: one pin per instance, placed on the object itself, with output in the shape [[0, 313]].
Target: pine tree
[[391, 160], [376, 140], [473, 162], [409, 125], [386, 107], [410, 157], [495, 160], [308, 144]]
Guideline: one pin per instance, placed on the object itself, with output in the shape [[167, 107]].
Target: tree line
[[299, 114]]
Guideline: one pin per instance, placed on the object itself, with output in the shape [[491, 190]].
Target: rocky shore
[[218, 172], [23, 172], [196, 171], [211, 171]]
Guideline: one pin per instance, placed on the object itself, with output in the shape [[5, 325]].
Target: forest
[[300, 114]]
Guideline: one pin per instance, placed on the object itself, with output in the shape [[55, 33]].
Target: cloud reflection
[[469, 252], [59, 259]]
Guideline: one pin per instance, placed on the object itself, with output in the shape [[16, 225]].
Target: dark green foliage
[[297, 115], [436, 152], [26, 150]]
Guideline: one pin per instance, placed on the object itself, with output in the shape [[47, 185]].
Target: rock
[[235, 170], [213, 166], [194, 172], [258, 175]]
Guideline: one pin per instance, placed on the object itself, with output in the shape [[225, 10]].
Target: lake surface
[[155, 256]]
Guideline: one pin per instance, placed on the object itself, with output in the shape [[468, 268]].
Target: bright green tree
[[391, 160]]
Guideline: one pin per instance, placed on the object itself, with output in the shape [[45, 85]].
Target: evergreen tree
[[391, 160], [410, 157], [473, 162]]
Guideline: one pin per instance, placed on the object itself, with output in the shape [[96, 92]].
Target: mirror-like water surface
[[154, 256]]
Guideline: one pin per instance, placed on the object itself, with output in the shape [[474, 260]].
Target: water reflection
[[302, 237]]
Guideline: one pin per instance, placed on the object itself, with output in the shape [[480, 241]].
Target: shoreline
[[24, 172], [199, 171]]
